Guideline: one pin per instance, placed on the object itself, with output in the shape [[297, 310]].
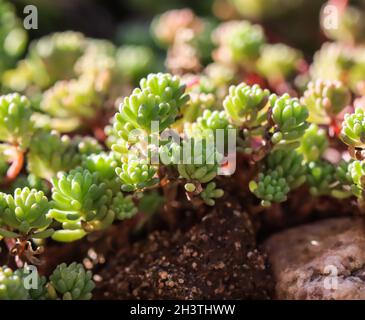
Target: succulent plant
[[245, 42], [71, 282], [324, 100], [136, 175], [278, 61], [211, 193], [289, 117], [212, 124], [50, 153], [11, 285], [160, 98], [66, 187], [13, 37], [80, 203], [356, 171], [353, 129], [313, 143], [284, 171], [56, 54], [270, 187], [25, 214], [15, 123], [320, 178], [136, 62], [244, 103], [166, 26], [38, 290]]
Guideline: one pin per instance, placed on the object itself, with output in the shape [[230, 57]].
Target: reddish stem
[[17, 162], [99, 133]]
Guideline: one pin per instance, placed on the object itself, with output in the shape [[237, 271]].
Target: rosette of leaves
[[11, 285], [104, 164], [50, 153], [245, 104], [56, 54], [70, 282], [16, 126], [289, 119], [325, 99], [278, 61], [245, 42], [166, 26], [75, 100], [284, 171], [13, 38], [86, 145], [356, 171], [313, 143], [167, 87], [353, 129], [291, 163], [331, 62], [136, 62], [123, 206], [212, 123], [25, 214], [270, 187], [210, 193], [321, 178], [81, 203], [325, 178], [49, 59], [136, 174], [159, 99], [99, 54], [343, 173]]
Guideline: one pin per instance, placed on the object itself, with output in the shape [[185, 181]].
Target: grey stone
[[322, 260]]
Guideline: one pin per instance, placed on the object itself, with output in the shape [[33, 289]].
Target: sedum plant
[[83, 147], [70, 282], [353, 129], [67, 282], [25, 214], [325, 100], [11, 285]]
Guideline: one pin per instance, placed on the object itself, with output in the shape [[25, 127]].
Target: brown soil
[[216, 259]]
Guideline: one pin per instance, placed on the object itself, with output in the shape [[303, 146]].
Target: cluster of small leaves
[[70, 282], [244, 103], [25, 214], [289, 118], [72, 81], [284, 171], [325, 100], [353, 129], [13, 37], [336, 61]]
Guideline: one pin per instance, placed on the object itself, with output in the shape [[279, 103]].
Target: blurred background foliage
[[127, 21]]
